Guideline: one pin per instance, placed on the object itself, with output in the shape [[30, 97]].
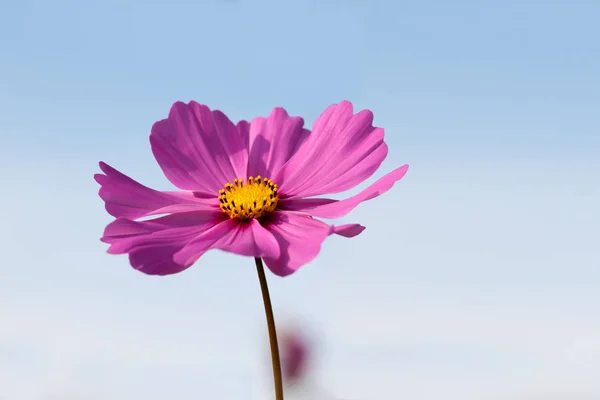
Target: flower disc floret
[[247, 200]]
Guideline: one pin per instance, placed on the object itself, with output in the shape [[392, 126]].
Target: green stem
[[278, 381]]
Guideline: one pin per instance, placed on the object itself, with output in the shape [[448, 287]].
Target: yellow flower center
[[252, 199]]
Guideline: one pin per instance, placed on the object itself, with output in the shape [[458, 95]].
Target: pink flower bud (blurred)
[[294, 356]]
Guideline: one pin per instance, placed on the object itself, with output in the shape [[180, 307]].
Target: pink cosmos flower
[[247, 188]]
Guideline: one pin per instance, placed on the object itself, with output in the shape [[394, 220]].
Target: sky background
[[477, 276]]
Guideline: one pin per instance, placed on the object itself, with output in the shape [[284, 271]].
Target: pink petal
[[343, 150], [151, 244], [199, 149], [127, 198], [273, 141], [300, 238], [328, 208], [243, 128], [348, 230], [234, 236]]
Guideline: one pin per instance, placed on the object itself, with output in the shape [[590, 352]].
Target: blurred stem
[[264, 288]]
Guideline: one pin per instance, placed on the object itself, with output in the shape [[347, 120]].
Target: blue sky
[[477, 277]]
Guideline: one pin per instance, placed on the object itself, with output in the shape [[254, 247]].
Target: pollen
[[246, 200]]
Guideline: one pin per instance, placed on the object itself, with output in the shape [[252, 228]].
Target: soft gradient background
[[477, 277]]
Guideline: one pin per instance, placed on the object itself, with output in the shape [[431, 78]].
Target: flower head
[[246, 188]]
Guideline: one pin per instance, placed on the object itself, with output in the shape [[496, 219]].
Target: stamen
[[252, 200]]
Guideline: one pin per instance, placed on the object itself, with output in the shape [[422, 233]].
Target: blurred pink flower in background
[[295, 351], [299, 353]]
